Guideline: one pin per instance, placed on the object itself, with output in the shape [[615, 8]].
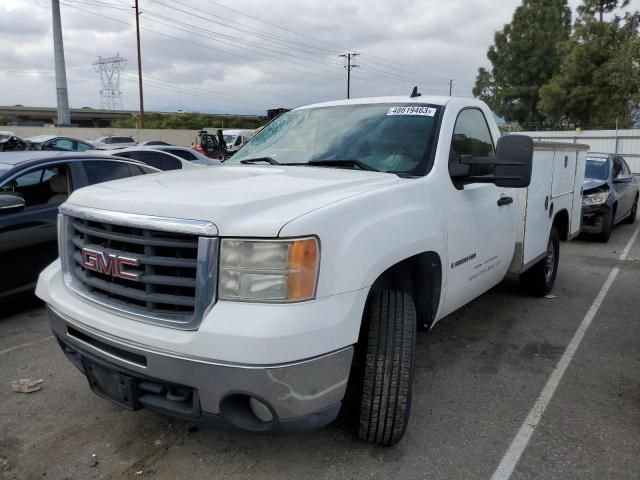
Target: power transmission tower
[[349, 66], [64, 117], [109, 71]]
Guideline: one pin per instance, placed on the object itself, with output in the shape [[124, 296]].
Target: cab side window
[[45, 186], [471, 136]]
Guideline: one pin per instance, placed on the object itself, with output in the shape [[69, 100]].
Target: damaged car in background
[[9, 142], [610, 195]]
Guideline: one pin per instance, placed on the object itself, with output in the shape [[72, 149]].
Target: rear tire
[[634, 212], [540, 278], [388, 364], [607, 226]]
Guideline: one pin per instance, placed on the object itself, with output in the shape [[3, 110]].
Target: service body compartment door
[[556, 189], [576, 211], [537, 223]]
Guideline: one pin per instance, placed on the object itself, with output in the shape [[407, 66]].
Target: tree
[[598, 83], [590, 7], [525, 55]]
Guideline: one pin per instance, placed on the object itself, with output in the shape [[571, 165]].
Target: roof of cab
[[426, 99]]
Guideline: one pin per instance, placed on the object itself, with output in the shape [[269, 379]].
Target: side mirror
[[11, 204], [512, 164], [623, 179], [514, 160]]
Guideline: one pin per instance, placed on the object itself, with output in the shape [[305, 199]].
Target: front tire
[[634, 212], [607, 225], [389, 351], [540, 278]]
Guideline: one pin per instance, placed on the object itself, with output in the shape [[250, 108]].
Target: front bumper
[[292, 397], [593, 218]]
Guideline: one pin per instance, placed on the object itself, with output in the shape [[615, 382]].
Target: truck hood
[[239, 200], [591, 183]]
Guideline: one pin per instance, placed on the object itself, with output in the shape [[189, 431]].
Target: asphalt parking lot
[[479, 373]]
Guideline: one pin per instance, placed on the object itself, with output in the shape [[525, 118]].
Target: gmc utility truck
[[253, 293]]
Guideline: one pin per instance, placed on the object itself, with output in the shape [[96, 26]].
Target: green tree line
[[191, 121], [547, 72]]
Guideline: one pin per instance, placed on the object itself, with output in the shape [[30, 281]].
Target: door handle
[[502, 201]]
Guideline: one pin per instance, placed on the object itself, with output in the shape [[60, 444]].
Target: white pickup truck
[[253, 293]]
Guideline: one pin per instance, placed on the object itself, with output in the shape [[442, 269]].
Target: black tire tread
[[388, 367], [608, 221], [631, 218], [534, 280]]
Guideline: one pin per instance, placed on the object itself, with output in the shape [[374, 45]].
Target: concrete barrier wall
[[176, 137]]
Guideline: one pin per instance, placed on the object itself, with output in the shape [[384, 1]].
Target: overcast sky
[[200, 56]]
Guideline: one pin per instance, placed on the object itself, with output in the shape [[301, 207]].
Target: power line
[[233, 54]]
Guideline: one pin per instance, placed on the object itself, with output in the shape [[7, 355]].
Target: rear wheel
[[540, 278], [634, 211], [388, 363]]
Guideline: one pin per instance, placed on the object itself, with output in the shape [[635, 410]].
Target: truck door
[[481, 223]]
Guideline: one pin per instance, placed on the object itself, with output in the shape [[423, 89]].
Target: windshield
[[230, 139], [395, 138], [597, 168]]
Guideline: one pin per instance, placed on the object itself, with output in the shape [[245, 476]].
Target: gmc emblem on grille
[[109, 264]]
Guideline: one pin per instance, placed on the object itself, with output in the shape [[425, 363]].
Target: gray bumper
[[304, 394], [593, 219]]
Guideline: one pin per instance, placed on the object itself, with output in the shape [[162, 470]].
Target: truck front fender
[[363, 236]]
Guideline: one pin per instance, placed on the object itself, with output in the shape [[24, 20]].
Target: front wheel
[[389, 350], [607, 225], [540, 278], [634, 211]]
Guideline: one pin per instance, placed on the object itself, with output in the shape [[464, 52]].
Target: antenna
[[109, 71], [414, 93]]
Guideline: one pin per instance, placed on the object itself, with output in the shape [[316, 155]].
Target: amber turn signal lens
[[303, 269]]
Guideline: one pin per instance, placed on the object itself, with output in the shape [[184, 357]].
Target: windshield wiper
[[342, 163], [268, 160]]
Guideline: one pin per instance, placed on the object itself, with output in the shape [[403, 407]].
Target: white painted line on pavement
[[522, 438], [25, 345]]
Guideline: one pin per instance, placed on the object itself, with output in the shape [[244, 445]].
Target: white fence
[[624, 142]]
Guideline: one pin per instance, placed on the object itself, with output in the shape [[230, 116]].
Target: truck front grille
[[169, 277]]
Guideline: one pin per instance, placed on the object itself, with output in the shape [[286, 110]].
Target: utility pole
[[349, 66], [450, 86], [139, 66], [64, 117]]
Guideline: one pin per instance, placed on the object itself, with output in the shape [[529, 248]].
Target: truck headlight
[[594, 199], [268, 270]]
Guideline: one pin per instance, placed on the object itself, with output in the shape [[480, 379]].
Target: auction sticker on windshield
[[411, 110]]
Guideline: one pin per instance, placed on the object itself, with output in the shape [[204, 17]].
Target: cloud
[[199, 55]]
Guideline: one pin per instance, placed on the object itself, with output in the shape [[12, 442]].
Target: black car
[[610, 194], [32, 187], [59, 144]]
